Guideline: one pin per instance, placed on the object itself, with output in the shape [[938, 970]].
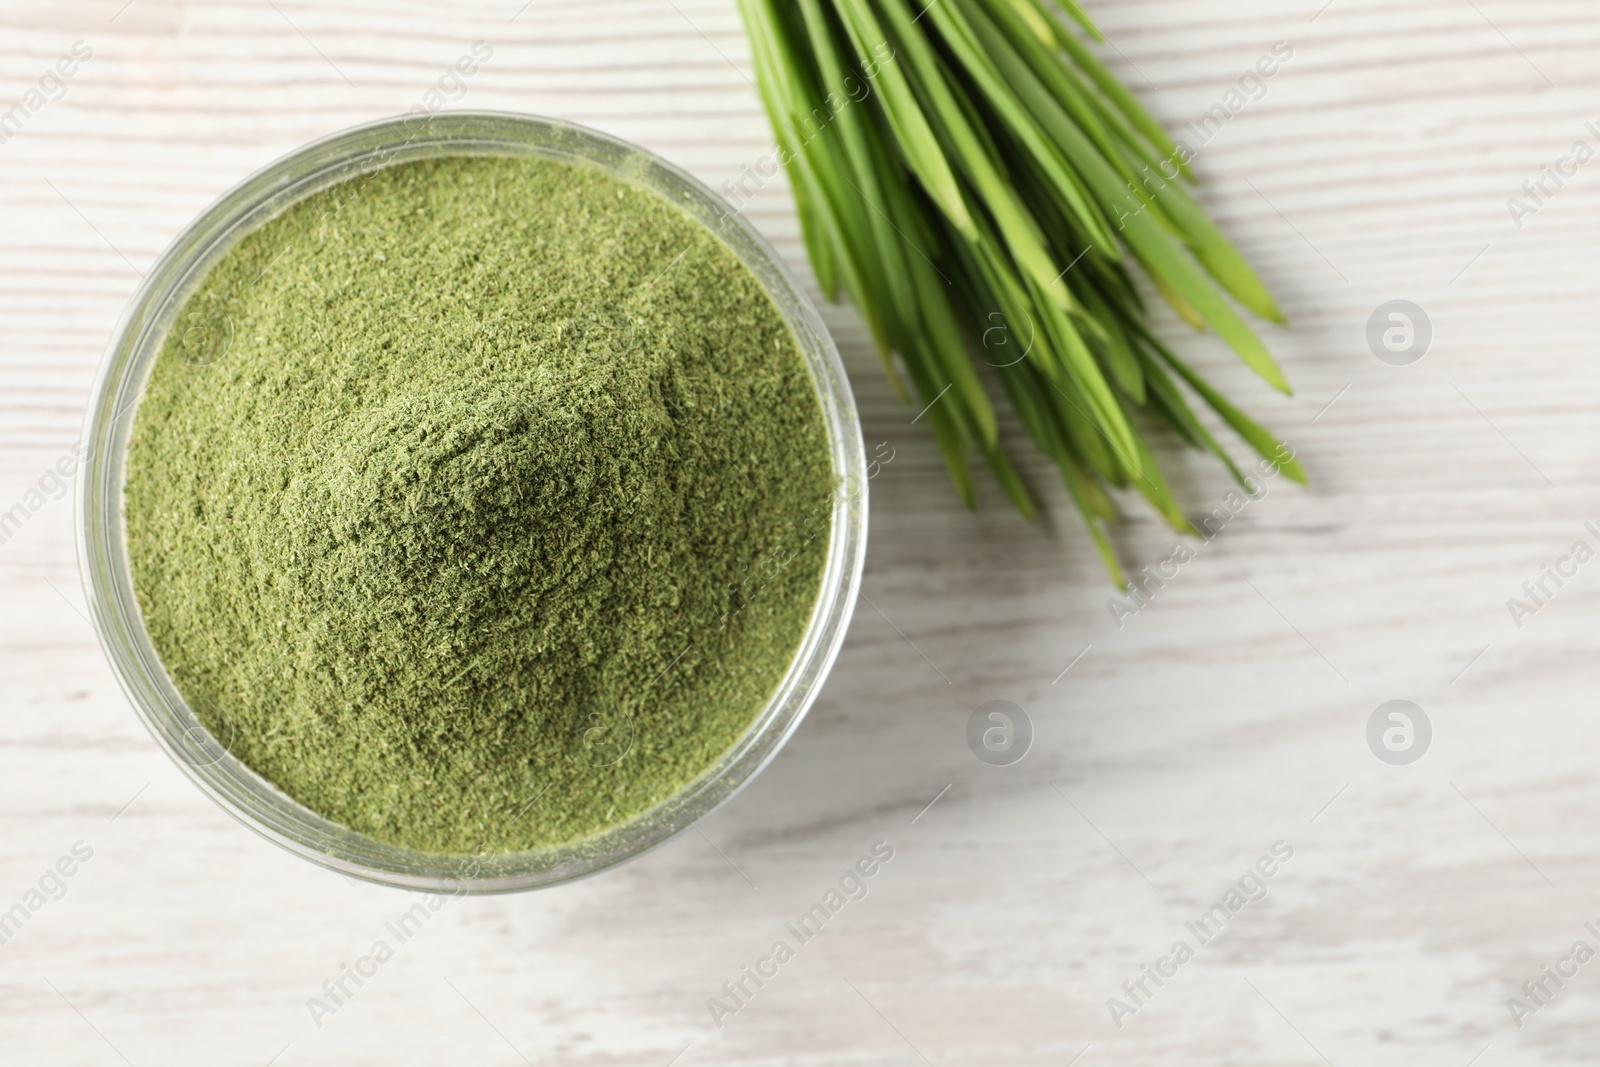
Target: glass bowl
[[103, 554]]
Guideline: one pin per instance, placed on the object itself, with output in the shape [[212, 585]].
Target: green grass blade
[[999, 88], [915, 137], [1011, 45], [1010, 481], [1016, 226], [1082, 18], [1119, 356], [1114, 90], [1171, 265], [1164, 391], [1265, 444], [1082, 489], [1214, 251]]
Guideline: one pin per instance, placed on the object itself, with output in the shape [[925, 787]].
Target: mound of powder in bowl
[[478, 504]]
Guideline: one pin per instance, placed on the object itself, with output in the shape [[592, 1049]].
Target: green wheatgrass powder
[[478, 504]]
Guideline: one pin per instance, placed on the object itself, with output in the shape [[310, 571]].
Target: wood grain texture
[[1224, 717]]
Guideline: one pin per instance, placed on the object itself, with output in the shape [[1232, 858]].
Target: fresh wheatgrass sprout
[[979, 184]]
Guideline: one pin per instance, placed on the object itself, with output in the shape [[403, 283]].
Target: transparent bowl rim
[[102, 555]]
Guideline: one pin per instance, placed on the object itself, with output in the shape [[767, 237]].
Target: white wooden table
[[1228, 715]]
